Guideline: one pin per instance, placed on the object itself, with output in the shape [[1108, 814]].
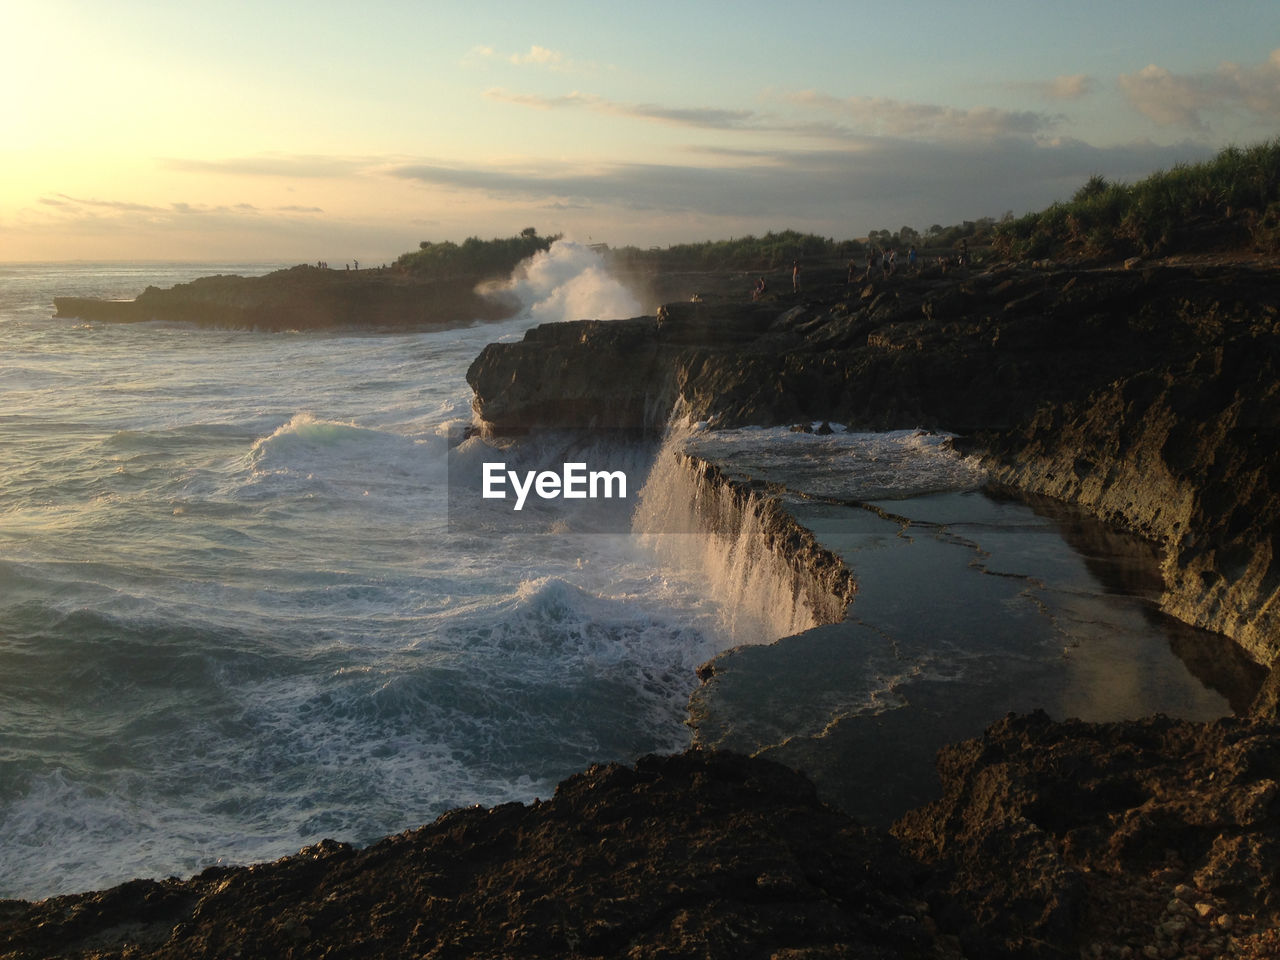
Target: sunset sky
[[297, 132]]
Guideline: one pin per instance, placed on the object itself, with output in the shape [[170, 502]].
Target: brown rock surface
[[696, 855], [1051, 837]]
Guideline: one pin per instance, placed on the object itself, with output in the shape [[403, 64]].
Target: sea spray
[[769, 576], [567, 282]]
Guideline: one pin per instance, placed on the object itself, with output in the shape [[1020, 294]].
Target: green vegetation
[[775, 251], [1230, 200], [770, 252], [473, 258]]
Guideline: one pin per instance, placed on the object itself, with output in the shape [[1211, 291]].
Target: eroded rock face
[[1050, 837], [1185, 456], [696, 855], [553, 377], [1146, 396]]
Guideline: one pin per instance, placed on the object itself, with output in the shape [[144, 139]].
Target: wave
[[567, 282], [762, 568], [312, 454]]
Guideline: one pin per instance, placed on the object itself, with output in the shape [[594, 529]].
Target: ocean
[[235, 617]]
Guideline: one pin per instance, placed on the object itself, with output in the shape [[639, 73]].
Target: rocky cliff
[[1145, 395], [301, 298], [691, 856], [1154, 838]]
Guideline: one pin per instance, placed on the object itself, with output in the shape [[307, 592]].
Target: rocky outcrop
[[1145, 395], [1148, 838], [611, 374], [697, 855], [301, 298]]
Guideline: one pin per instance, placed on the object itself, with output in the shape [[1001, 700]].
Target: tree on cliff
[[481, 259]]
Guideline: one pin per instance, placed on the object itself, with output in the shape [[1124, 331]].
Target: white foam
[[568, 282], [893, 464], [707, 534]]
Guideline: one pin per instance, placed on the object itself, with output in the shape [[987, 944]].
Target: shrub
[[1155, 214], [473, 258]]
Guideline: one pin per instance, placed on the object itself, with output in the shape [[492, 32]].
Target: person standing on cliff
[[795, 276]]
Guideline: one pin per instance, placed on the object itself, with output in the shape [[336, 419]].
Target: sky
[[299, 132]]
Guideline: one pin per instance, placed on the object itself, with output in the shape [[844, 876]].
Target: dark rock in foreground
[[1150, 838], [301, 298], [698, 856], [1157, 833]]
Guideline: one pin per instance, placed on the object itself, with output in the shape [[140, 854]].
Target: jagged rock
[[1050, 836], [696, 855]]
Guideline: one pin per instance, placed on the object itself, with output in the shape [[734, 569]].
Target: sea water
[[235, 617]]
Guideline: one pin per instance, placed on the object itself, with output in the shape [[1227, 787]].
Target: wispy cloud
[[1190, 100], [895, 180], [535, 56], [119, 206], [847, 119], [538, 55], [65, 225], [1069, 87], [887, 117], [703, 117], [84, 208], [301, 166]]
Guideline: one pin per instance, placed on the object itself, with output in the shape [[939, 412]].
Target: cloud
[[63, 200], [1069, 87], [301, 166], [62, 226], [701, 117], [536, 56], [887, 117], [845, 190], [79, 209], [572, 99], [856, 118], [1188, 100]]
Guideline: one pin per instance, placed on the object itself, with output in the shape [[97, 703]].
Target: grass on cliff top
[[1231, 200]]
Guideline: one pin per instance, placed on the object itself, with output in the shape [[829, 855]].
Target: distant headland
[[437, 285]]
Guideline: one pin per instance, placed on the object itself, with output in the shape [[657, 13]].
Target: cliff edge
[[1146, 395]]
